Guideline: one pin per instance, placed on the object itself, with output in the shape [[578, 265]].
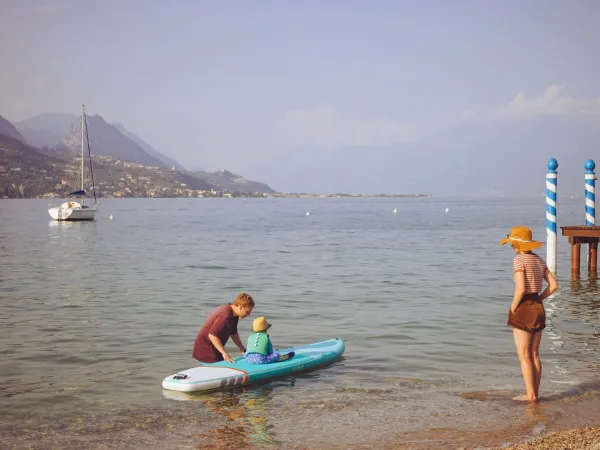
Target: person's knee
[[525, 355]]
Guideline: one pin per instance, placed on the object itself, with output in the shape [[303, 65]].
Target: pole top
[[590, 165], [552, 164]]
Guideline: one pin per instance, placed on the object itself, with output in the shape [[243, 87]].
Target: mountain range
[[484, 158], [59, 130], [478, 158], [43, 147], [147, 147], [45, 130], [106, 140]]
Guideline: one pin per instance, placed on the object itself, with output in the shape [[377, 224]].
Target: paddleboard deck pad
[[224, 375]]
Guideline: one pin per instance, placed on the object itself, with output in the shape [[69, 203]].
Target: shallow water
[[95, 315]]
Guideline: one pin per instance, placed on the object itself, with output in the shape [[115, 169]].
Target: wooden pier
[[583, 235]]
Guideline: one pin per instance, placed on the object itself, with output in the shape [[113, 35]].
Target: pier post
[[590, 193], [551, 193], [575, 261], [590, 212]]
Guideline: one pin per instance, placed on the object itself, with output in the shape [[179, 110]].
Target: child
[[259, 349]]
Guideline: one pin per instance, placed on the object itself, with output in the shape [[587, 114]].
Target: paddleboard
[[224, 375]]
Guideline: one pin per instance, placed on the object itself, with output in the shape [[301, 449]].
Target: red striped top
[[534, 268]]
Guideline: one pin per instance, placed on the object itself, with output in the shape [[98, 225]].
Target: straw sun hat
[[520, 237], [260, 324]]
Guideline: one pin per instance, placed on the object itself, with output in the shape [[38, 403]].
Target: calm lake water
[[95, 315]]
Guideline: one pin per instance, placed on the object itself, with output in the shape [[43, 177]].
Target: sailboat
[[72, 210]]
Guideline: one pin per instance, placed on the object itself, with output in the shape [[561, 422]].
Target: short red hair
[[244, 300]]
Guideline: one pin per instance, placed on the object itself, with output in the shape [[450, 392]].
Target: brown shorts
[[529, 316]]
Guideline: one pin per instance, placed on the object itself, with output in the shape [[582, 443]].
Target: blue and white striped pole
[[551, 184], [590, 193]]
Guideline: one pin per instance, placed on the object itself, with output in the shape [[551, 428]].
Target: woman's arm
[[552, 284], [519, 289]]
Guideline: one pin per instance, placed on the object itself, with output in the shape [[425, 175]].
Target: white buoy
[[447, 209], [110, 217], [307, 213], [395, 211]]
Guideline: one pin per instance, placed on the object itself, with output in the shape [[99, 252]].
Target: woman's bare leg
[[537, 362], [523, 340]]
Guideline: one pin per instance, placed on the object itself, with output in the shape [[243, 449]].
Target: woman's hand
[[242, 349]]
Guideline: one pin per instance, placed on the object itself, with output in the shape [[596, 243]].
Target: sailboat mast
[[82, 140]]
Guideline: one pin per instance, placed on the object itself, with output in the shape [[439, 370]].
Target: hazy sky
[[228, 83]]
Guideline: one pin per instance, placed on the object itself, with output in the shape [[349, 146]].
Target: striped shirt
[[534, 268]]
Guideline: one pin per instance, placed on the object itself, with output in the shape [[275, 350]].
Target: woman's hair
[[244, 300]]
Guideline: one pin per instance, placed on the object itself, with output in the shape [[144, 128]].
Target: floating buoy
[[307, 213], [447, 209], [395, 211], [110, 217]]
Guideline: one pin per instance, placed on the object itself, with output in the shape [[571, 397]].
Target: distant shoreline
[[346, 195], [247, 195]]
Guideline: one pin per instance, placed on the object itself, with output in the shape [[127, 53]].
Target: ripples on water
[[95, 315]]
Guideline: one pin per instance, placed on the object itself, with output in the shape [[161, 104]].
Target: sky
[[231, 84]]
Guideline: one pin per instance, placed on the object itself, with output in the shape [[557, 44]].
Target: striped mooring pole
[[551, 184], [590, 193]]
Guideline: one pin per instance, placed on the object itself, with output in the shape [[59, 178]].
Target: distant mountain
[[24, 172], [106, 140], [231, 182], [147, 147], [27, 172], [46, 130], [8, 129], [502, 157]]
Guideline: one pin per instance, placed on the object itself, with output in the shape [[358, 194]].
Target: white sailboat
[[72, 210]]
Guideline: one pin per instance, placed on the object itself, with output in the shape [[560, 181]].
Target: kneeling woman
[[527, 315], [260, 349]]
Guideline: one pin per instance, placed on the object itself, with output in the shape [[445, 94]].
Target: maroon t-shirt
[[221, 323]]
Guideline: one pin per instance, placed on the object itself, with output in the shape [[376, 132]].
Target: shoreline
[[161, 431], [565, 423], [241, 195]]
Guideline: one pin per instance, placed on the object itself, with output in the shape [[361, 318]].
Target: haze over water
[[95, 315]]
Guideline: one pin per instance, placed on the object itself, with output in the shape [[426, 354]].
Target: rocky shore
[[584, 438]]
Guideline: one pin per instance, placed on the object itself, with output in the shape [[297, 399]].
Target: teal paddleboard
[[224, 375]]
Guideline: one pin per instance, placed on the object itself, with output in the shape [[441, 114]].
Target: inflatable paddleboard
[[223, 374]]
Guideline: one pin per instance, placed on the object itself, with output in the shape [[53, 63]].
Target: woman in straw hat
[[260, 349], [527, 316]]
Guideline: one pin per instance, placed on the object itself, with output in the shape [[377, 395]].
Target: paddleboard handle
[[180, 376]]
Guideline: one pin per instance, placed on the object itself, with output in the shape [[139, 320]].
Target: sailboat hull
[[74, 211]]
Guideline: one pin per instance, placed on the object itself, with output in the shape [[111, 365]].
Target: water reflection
[[578, 319], [245, 411], [585, 299], [578, 285], [246, 419]]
